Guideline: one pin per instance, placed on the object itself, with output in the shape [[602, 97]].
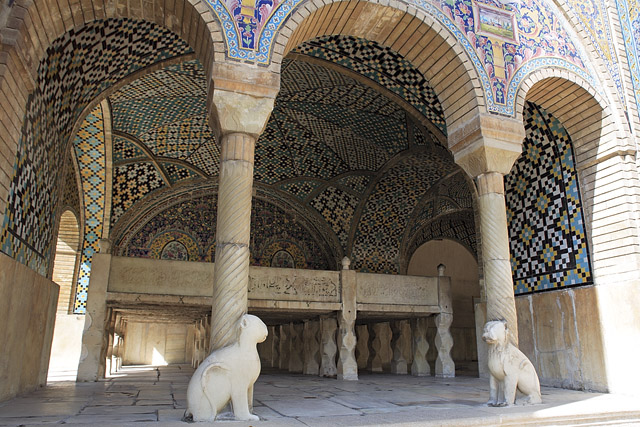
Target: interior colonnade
[[190, 133]]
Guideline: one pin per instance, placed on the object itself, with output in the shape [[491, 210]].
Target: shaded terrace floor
[[158, 395]]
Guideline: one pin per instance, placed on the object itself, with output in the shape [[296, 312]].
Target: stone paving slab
[[136, 395]]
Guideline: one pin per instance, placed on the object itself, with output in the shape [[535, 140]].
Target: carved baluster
[[285, 347], [398, 344], [445, 368], [275, 360], [420, 366], [362, 346], [311, 347], [347, 365], [328, 368], [376, 344], [295, 358]]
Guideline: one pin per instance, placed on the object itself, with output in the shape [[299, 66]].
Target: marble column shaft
[[231, 276], [328, 326], [311, 347], [495, 251]]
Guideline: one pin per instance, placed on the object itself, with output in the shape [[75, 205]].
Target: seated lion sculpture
[[228, 374], [509, 368]]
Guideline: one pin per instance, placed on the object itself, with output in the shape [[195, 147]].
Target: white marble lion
[[509, 368], [228, 374]]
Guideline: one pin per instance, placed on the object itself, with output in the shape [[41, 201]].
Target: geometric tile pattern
[[337, 208], [123, 149], [629, 14], [78, 66], [192, 223], [357, 183], [387, 210], [301, 188], [89, 145], [459, 227], [131, 183], [382, 65], [71, 194], [177, 173], [546, 229]]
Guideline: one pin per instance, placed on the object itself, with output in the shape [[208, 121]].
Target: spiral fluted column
[[231, 277], [495, 251]]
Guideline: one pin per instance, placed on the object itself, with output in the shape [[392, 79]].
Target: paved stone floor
[[158, 395]]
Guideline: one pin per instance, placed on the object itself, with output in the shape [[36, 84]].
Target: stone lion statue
[[228, 374], [509, 368]]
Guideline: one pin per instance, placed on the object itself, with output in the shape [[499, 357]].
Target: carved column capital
[[241, 98], [487, 143]]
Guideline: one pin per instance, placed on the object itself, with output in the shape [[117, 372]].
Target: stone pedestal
[[328, 367], [295, 358], [398, 344], [420, 366], [311, 347]]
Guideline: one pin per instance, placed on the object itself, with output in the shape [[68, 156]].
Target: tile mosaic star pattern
[[93, 58], [131, 183], [89, 145], [546, 229], [337, 208]]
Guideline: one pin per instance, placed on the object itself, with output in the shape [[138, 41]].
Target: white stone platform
[[158, 396]]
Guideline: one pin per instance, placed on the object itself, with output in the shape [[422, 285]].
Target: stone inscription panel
[[286, 284], [391, 289]]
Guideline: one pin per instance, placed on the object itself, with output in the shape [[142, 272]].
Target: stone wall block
[[362, 346]]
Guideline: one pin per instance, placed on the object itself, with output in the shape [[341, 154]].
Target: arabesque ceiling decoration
[[504, 40]]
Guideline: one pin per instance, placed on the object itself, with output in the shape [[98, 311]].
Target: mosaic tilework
[[177, 173], [546, 229], [139, 116], [459, 227], [167, 245], [124, 149], [424, 212], [192, 223], [131, 183], [301, 188], [181, 139], [593, 17], [534, 38], [70, 194], [325, 124], [337, 208], [381, 65], [457, 188], [357, 183], [93, 58], [629, 14], [206, 158], [387, 210], [89, 145]]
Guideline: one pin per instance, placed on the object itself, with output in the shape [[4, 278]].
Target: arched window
[[64, 266]]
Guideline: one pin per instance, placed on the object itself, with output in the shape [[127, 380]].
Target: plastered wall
[[27, 316]]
